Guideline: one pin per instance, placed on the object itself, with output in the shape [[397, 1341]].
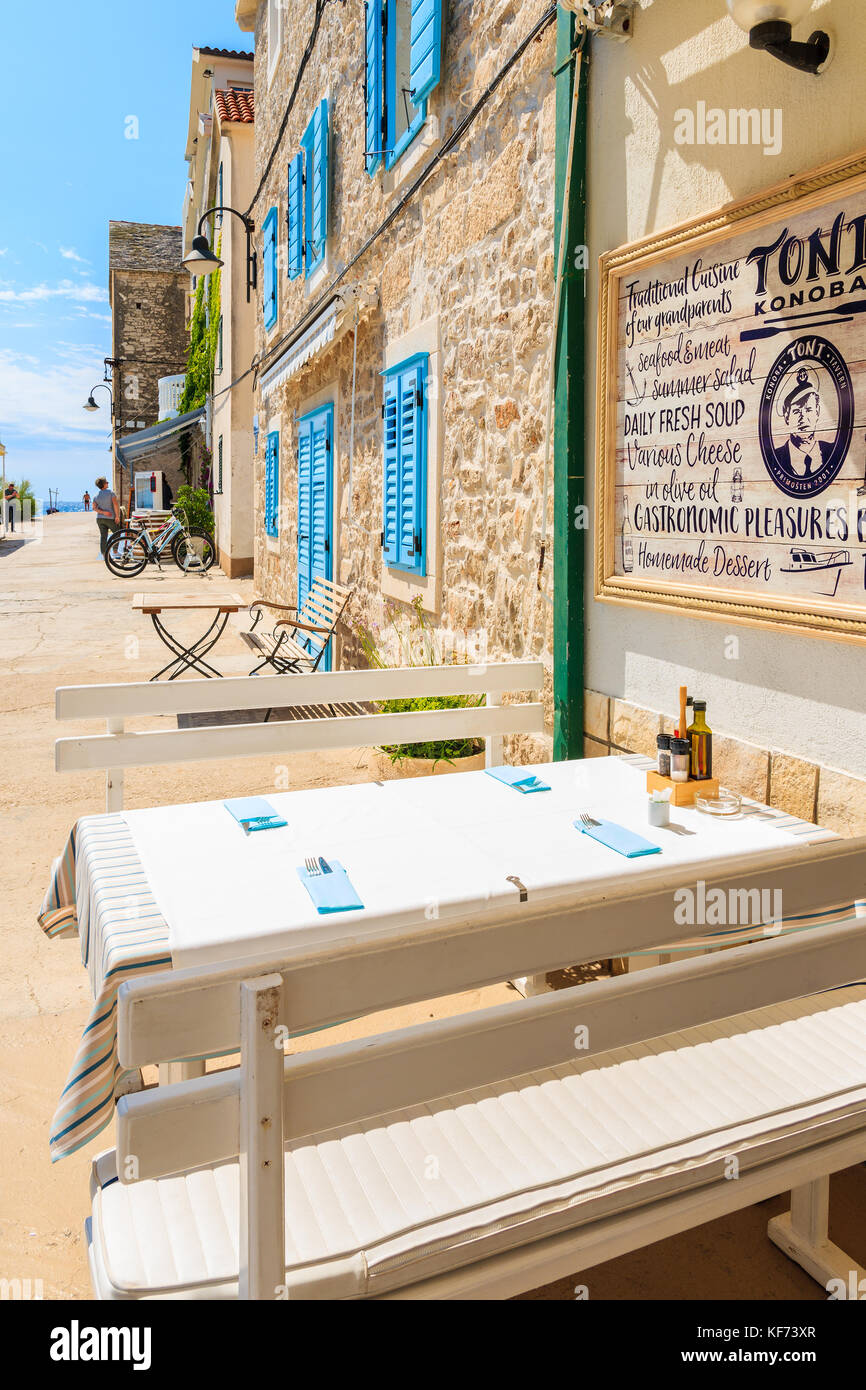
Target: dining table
[[171, 887], [186, 655]]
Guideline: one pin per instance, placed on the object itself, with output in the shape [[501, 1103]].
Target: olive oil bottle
[[701, 739]]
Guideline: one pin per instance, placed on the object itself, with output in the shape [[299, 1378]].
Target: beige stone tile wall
[[474, 247], [820, 794]]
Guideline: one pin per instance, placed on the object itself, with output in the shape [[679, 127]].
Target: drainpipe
[[569, 423]]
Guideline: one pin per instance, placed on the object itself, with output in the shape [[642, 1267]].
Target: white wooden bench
[[486, 1154], [119, 748]]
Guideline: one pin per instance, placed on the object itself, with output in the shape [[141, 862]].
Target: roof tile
[[233, 105]]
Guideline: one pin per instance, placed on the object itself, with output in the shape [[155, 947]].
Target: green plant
[[203, 335], [194, 502], [417, 646]]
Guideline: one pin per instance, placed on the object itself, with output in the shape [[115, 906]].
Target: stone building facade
[[461, 279], [147, 288]]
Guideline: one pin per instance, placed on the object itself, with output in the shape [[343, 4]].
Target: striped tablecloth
[[99, 891]]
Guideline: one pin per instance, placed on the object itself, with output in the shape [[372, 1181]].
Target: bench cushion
[[405, 1196]]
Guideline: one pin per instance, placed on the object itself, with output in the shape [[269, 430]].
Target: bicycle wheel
[[193, 551], [125, 554]]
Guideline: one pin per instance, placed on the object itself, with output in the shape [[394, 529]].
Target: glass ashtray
[[722, 803]]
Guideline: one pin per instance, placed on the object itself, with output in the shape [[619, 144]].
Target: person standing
[[86, 500], [107, 510], [11, 497]]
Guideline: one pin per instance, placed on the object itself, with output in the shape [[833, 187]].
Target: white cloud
[[4, 250], [69, 253], [66, 289], [45, 400]]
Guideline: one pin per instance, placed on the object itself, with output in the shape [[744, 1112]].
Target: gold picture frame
[[845, 621]]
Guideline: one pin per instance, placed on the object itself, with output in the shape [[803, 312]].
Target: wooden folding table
[[189, 657]]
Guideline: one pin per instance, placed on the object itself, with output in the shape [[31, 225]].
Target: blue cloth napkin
[[517, 777], [254, 813], [618, 838], [331, 892]]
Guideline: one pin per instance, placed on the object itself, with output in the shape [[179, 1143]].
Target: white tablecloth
[[414, 849]]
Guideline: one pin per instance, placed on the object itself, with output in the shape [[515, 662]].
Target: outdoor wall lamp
[[201, 260], [768, 24], [90, 404]]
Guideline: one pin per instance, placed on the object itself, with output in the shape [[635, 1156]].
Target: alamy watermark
[[732, 907], [739, 126]]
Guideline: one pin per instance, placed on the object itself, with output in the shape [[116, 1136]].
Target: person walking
[[11, 497], [86, 500], [107, 510]]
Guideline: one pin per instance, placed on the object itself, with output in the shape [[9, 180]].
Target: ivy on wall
[[203, 335]]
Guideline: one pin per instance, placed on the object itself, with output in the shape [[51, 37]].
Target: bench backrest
[[323, 607], [254, 1009], [117, 749]]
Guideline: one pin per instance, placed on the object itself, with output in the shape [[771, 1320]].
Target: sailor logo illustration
[[806, 417]]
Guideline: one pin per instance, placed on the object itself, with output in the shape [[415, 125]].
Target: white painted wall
[[233, 410], [805, 696]]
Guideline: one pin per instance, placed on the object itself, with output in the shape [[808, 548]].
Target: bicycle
[[131, 548]]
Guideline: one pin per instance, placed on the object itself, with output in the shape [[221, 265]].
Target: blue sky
[[70, 80]]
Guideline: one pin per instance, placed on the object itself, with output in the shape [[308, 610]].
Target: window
[[275, 34], [404, 487], [219, 486], [272, 484], [219, 351], [307, 200], [269, 259], [403, 62]]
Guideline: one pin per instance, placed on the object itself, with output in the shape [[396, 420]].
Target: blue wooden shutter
[[272, 484], [405, 466], [305, 458], [269, 257], [320, 531], [412, 467], [315, 143], [295, 216], [373, 84], [391, 480], [425, 48]]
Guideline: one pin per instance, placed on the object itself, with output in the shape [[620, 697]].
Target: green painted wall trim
[[569, 433]]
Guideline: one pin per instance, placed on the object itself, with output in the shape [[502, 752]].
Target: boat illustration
[[826, 565]]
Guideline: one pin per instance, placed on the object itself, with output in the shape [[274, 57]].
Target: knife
[[325, 866]]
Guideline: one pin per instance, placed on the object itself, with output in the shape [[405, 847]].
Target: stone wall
[[820, 794], [147, 286], [472, 249]]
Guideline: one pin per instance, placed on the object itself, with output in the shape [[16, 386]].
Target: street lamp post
[[201, 260], [90, 405]]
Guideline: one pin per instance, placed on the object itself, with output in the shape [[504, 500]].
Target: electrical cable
[[305, 58], [444, 150]]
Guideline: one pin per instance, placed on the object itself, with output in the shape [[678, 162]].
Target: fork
[[312, 866], [587, 820]]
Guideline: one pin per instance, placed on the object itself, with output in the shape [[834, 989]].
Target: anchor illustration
[[639, 395]]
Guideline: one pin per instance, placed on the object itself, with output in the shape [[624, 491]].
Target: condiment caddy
[[685, 759]]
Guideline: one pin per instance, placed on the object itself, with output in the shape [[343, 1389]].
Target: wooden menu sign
[[731, 471]]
